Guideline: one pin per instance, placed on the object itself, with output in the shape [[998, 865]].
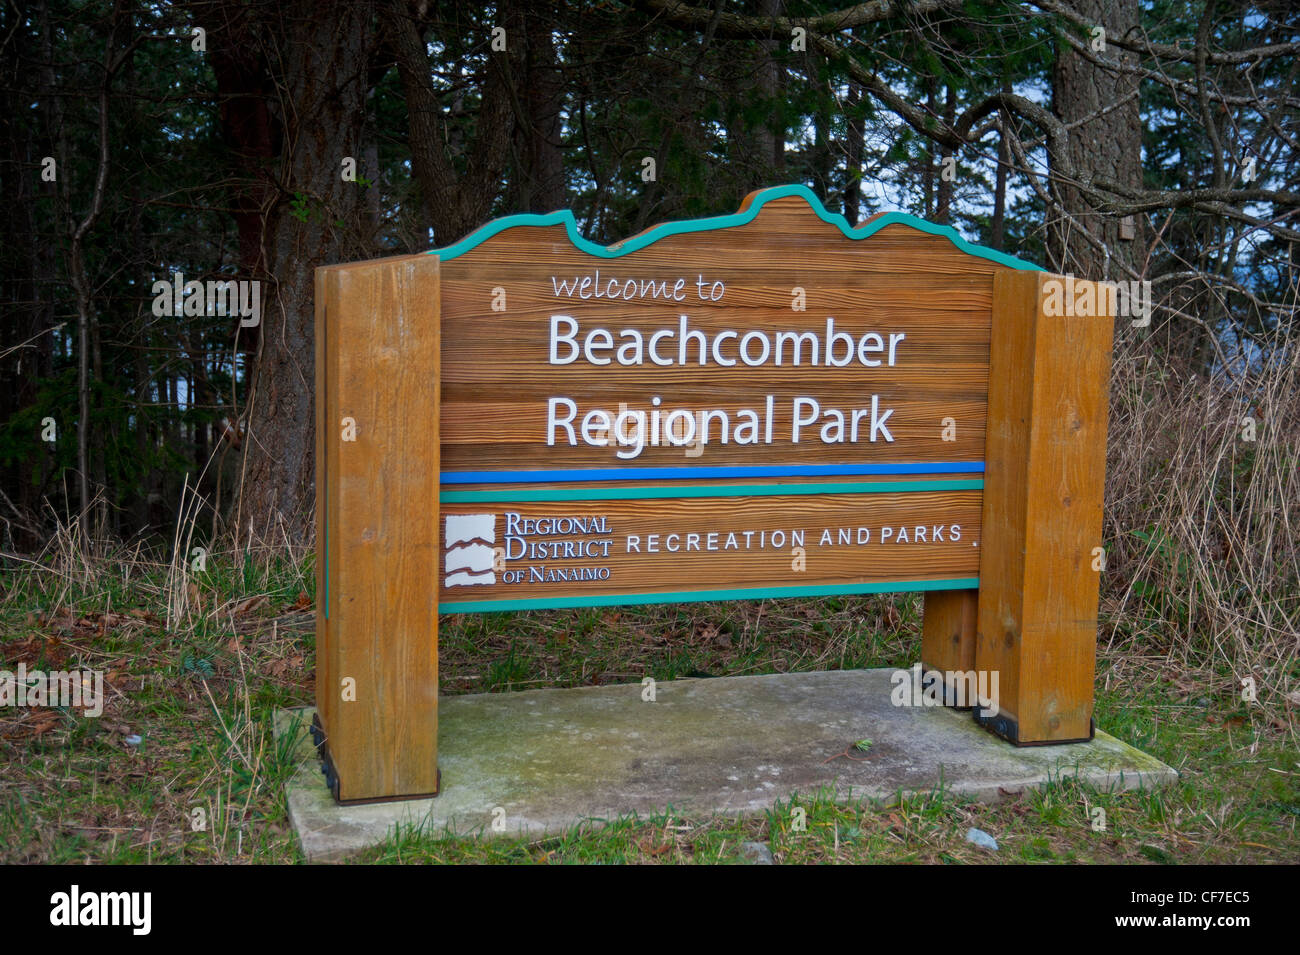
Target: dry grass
[[1201, 589], [1203, 521]]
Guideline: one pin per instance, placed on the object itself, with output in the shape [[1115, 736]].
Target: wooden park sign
[[765, 404]]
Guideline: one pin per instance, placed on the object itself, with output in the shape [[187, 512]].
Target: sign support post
[[378, 360], [1045, 473], [948, 639]]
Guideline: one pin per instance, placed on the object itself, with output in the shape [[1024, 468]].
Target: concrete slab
[[551, 758]]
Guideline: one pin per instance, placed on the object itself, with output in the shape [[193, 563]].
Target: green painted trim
[[704, 490], [565, 218], [753, 593]]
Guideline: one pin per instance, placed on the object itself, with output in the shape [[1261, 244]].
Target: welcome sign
[[755, 405], [765, 404]]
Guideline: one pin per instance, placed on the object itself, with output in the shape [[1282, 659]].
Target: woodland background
[[1165, 150]]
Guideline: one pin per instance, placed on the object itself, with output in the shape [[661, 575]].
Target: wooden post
[[948, 638], [377, 470], [1045, 453]]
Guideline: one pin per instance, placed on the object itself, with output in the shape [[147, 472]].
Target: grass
[[206, 781]]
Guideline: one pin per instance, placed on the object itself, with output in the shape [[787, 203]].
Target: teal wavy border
[[565, 218], [743, 593]]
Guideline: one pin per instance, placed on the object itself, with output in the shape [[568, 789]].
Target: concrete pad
[[552, 758]]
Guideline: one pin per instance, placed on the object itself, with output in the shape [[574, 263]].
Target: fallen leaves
[[654, 850], [46, 650], [67, 623], [249, 604], [285, 665], [29, 721], [44, 722]]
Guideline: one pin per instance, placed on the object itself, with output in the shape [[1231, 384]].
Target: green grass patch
[[182, 766]]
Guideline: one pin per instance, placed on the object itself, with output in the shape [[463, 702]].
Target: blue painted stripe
[[743, 593], [565, 218], [737, 471]]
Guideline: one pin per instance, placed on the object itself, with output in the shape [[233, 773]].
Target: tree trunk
[[943, 206], [143, 377], [28, 273], [541, 174], [998, 227], [1108, 146], [321, 54], [456, 203], [822, 159], [928, 184], [83, 290], [853, 156], [771, 136]]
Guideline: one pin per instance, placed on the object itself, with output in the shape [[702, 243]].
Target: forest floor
[[181, 766]]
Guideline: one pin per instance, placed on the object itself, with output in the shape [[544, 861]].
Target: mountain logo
[[470, 542]]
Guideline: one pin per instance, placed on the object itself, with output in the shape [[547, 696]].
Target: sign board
[[764, 404]]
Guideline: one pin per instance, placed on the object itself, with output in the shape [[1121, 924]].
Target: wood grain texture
[[948, 630], [378, 545], [496, 376], [1044, 483], [646, 546], [325, 359]]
